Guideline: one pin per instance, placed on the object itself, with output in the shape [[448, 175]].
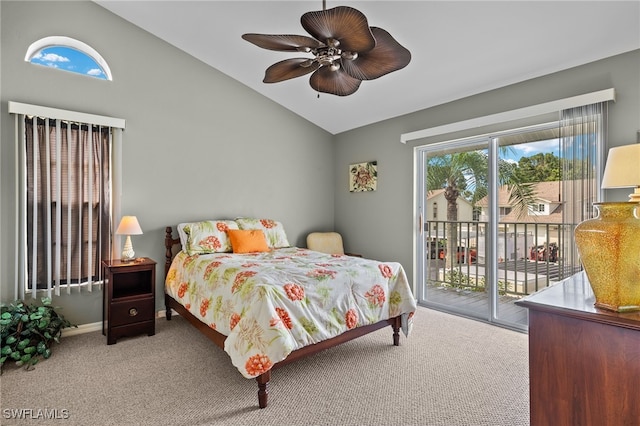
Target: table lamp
[[128, 226], [609, 243], [623, 170]]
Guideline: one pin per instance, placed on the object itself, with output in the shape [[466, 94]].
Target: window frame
[[19, 110], [63, 41], [494, 213]]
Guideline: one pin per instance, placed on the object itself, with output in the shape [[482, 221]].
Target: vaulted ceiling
[[459, 48]]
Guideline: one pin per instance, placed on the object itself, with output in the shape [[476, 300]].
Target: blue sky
[[68, 59], [528, 149]]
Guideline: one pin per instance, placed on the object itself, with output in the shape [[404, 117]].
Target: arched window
[[68, 54]]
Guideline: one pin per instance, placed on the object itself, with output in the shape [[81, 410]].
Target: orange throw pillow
[[247, 240]]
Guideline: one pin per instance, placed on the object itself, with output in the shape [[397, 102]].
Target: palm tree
[[465, 174]]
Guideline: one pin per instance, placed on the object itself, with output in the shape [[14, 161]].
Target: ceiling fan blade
[[347, 25], [283, 43], [288, 69], [386, 57], [334, 82]]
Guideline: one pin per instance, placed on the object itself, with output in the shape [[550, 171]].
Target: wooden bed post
[[167, 308], [263, 388], [168, 245], [169, 242], [396, 323]]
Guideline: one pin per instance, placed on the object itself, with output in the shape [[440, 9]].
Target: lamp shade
[[129, 226], [623, 169]]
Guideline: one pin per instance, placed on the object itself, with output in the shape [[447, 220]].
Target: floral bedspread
[[270, 304]]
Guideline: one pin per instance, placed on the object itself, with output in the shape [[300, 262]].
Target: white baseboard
[[163, 313], [82, 328], [97, 326]]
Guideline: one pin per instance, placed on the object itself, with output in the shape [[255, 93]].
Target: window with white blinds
[[65, 193]]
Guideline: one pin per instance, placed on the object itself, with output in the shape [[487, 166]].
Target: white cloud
[[527, 149], [51, 57], [94, 71], [539, 146], [549, 146]]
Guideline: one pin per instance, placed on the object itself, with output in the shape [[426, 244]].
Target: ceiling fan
[[345, 51]]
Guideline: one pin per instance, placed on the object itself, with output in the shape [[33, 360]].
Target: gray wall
[[197, 144], [380, 224], [247, 155]]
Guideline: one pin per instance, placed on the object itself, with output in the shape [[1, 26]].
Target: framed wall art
[[363, 177]]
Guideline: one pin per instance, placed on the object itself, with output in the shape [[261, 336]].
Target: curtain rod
[[501, 117], [48, 112]]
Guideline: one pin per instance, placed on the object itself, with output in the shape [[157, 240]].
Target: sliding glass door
[[454, 177], [492, 228]]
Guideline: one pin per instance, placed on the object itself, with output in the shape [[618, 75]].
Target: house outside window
[[476, 214], [505, 211]]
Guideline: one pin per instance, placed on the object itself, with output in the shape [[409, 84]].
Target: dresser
[[584, 363]]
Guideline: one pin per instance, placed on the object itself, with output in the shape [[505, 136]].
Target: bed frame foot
[[263, 388], [396, 324], [167, 308]]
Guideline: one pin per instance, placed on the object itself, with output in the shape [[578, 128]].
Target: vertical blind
[[583, 132], [64, 186]]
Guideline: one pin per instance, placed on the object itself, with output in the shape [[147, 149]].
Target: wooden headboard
[[169, 243]]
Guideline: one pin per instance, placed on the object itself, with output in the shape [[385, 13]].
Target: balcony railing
[[530, 256]]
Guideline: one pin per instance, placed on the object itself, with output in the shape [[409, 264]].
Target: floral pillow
[[209, 236], [273, 231]]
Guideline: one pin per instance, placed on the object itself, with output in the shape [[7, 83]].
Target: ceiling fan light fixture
[[349, 55], [346, 51]]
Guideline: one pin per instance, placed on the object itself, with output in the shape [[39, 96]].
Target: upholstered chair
[[327, 242]]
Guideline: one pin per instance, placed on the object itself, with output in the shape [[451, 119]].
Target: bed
[[267, 304]]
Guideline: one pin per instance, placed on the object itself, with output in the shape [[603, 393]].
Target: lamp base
[[128, 255], [608, 246]]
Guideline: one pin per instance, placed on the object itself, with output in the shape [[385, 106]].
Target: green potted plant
[[28, 331]]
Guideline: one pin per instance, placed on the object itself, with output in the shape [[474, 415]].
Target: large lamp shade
[[623, 170]]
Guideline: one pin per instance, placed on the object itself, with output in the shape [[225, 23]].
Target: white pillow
[[273, 230], [182, 235], [207, 236]]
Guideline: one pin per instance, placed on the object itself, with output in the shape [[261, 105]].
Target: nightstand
[[129, 298]]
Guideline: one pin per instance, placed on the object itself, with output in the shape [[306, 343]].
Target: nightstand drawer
[[129, 298], [132, 311]]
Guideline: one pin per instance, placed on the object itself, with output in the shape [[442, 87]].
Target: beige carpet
[[450, 371]]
